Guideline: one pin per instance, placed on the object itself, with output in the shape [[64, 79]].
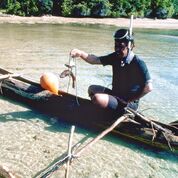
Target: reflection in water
[[34, 49]]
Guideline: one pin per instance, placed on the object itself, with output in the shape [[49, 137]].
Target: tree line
[[160, 9]]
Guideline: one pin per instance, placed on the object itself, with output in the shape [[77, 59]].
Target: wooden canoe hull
[[86, 114]]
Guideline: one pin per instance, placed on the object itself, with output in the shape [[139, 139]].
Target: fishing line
[[76, 88], [70, 66], [73, 64]]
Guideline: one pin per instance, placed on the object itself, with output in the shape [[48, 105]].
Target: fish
[[69, 73], [70, 66]]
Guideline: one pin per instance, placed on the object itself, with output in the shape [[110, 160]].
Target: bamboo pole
[[146, 120], [4, 172], [69, 151], [101, 135], [5, 76], [55, 166]]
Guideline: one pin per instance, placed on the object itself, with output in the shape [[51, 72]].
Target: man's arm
[[148, 88], [90, 58]]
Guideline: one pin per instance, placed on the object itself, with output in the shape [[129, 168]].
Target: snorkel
[[130, 33], [124, 39], [130, 39], [130, 54]]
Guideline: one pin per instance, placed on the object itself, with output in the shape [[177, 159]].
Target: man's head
[[122, 39]]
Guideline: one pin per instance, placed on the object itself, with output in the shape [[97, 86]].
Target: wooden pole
[[69, 151], [68, 158], [4, 172], [8, 76], [105, 132], [146, 120]]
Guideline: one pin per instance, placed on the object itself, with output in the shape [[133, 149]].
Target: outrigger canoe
[[83, 113]]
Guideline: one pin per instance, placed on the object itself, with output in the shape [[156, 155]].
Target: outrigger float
[[83, 113]]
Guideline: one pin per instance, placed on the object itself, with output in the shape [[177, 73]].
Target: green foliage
[[45, 6], [117, 8], [100, 8], [175, 4], [22, 7], [81, 10], [67, 8], [136, 7], [162, 9], [141, 7], [93, 8], [123, 8], [29, 7], [15, 8]]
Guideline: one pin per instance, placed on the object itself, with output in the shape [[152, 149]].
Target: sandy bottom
[[120, 22]]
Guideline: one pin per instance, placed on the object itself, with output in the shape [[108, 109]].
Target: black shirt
[[129, 80]]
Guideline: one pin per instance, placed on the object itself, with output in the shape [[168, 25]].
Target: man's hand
[[90, 58], [76, 53]]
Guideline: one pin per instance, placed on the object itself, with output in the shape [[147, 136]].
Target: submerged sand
[[120, 22]]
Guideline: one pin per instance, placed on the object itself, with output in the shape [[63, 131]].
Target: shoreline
[[119, 22]]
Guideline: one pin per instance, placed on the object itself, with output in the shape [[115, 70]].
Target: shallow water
[[30, 141]]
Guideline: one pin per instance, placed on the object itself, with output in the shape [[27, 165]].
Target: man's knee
[[96, 99], [100, 100]]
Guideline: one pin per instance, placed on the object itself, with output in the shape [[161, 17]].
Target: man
[[131, 79]]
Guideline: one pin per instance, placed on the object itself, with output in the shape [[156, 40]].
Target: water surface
[[30, 141]]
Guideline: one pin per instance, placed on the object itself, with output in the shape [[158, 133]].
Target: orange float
[[50, 82]]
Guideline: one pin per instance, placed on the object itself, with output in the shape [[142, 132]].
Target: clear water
[[31, 141]]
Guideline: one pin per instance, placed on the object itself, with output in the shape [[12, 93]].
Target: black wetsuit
[[129, 78]]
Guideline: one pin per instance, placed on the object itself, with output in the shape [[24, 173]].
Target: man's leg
[[102, 97], [133, 105], [93, 89], [105, 101]]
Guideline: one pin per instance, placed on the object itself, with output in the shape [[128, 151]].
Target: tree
[[45, 6], [3, 3], [66, 8], [22, 7], [100, 8], [162, 9], [175, 4], [56, 9], [81, 10]]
